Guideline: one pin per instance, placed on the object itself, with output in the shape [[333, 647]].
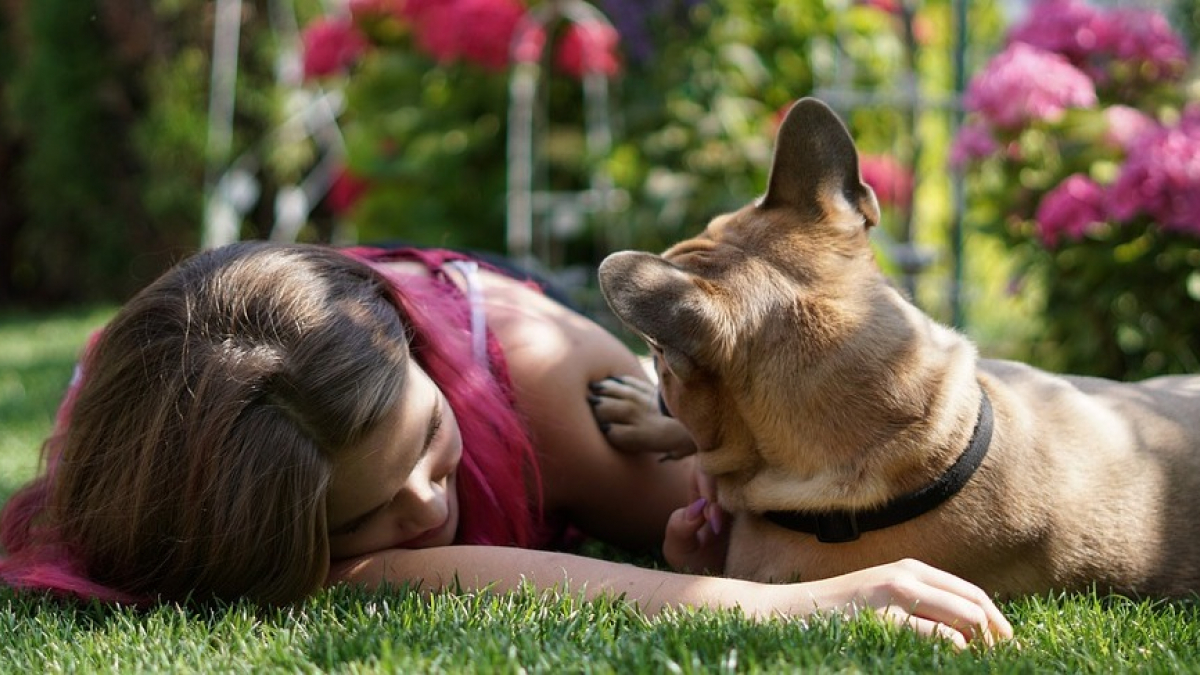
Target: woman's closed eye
[[434, 428]]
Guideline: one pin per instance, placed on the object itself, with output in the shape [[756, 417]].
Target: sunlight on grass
[[397, 630], [37, 356]]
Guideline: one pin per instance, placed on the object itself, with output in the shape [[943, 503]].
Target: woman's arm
[[553, 354], [908, 593]]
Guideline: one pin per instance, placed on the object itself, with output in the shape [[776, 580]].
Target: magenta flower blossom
[[1093, 39], [1161, 179], [891, 180], [1126, 125], [1073, 208], [330, 46], [417, 9], [1024, 83], [588, 47], [1067, 27], [346, 190], [480, 31], [889, 6], [974, 141], [1144, 40]]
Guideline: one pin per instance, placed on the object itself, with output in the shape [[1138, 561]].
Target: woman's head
[[223, 409], [200, 447], [397, 486]]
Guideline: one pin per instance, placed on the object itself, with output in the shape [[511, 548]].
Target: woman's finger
[[961, 597], [923, 626]]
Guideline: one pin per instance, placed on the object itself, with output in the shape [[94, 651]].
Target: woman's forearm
[[906, 593], [505, 568]]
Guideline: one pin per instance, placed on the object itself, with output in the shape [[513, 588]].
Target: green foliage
[[1122, 305], [432, 141], [694, 123], [1186, 16], [71, 175], [169, 139], [1116, 294], [105, 123]]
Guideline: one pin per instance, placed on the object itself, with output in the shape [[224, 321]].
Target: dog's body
[[809, 384]]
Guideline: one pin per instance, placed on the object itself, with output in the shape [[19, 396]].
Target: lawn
[[399, 631]]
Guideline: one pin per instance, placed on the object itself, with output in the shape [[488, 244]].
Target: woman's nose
[[422, 503]]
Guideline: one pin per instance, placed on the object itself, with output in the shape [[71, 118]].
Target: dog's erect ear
[[816, 165], [665, 305]]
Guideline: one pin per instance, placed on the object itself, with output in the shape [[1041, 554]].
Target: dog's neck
[[885, 418], [840, 526], [922, 426]]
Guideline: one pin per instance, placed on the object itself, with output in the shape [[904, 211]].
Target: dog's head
[[774, 325]]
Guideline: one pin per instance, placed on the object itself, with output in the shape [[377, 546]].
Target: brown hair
[[199, 449]]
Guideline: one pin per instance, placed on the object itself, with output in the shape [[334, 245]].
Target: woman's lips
[[425, 537]]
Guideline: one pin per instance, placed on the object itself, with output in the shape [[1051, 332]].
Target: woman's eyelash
[[434, 427]]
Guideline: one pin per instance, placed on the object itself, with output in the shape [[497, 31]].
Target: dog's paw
[[627, 411]]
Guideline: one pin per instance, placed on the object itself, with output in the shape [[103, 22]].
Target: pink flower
[[346, 190], [1161, 179], [1126, 125], [1093, 40], [529, 42], [588, 47], [889, 6], [973, 142], [891, 180], [1066, 27], [1024, 83], [417, 9], [1191, 114], [480, 31], [330, 46], [437, 32], [1070, 210], [1143, 39]]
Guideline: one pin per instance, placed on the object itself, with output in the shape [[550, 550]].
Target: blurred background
[[1038, 163]]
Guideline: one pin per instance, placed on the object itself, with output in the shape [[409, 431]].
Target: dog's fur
[[809, 383]]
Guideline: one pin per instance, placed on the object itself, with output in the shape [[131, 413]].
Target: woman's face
[[396, 487]]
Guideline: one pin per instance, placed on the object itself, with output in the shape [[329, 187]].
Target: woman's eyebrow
[[435, 423]]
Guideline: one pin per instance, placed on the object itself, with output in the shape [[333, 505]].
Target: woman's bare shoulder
[[541, 334], [553, 354]]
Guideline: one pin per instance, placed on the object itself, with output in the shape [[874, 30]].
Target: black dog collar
[[834, 527]]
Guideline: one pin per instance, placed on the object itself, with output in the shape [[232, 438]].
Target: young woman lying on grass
[[264, 420]]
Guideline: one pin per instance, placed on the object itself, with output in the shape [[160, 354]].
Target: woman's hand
[[697, 536], [916, 596], [697, 540], [626, 408]]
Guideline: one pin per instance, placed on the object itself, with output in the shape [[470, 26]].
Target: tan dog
[[821, 400]]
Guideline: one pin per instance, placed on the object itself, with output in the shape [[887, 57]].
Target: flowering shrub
[[695, 89], [889, 178], [1082, 146], [425, 83]]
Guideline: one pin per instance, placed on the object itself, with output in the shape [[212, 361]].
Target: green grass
[[349, 631], [37, 356]]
